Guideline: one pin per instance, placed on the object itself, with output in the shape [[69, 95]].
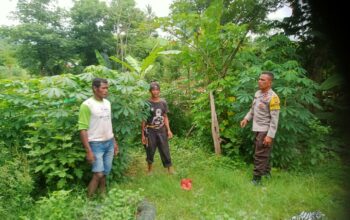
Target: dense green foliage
[[118, 204], [16, 183], [179, 108], [218, 46], [224, 59], [40, 118], [9, 68], [234, 95]]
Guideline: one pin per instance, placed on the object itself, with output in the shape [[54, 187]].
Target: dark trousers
[[261, 155], [158, 138]]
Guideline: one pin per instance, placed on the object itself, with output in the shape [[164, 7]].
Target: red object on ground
[[186, 184]]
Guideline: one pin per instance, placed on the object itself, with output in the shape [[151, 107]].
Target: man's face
[[155, 93], [102, 91], [264, 82]]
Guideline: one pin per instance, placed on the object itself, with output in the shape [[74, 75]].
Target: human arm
[[274, 115], [143, 136], [244, 122], [90, 157], [166, 120], [273, 127], [166, 123], [116, 148], [248, 116], [83, 125]]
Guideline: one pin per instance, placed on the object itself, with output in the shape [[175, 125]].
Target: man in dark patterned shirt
[[156, 130]]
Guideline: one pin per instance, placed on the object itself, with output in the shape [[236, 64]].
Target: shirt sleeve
[[274, 113], [84, 117], [165, 104]]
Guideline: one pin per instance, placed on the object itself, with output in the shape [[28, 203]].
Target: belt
[[154, 127], [150, 126]]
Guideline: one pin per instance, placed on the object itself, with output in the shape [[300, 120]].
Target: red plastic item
[[186, 184]]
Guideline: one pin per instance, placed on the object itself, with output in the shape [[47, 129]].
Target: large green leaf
[[132, 69], [53, 92], [332, 81], [101, 59], [150, 59], [134, 63]]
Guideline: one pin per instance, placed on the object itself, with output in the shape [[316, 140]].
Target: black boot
[[256, 180]]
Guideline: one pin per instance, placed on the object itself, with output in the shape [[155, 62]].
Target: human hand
[[116, 150], [170, 134], [90, 157], [267, 141], [144, 140], [244, 123]]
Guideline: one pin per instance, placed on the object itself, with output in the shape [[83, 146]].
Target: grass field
[[221, 188]]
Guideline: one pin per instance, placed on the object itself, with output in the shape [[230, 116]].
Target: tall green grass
[[222, 189]]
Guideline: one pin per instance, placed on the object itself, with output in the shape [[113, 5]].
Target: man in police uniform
[[264, 112]]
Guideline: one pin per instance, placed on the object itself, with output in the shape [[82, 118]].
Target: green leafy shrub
[[298, 96], [40, 118], [119, 204], [16, 184], [317, 141], [234, 95], [63, 204], [179, 108], [13, 73], [60, 204]]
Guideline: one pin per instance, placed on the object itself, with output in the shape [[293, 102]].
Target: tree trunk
[[214, 125]]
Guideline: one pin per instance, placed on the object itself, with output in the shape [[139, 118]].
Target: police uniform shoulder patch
[[274, 103]]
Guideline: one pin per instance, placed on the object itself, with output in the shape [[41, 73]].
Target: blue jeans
[[103, 152]]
